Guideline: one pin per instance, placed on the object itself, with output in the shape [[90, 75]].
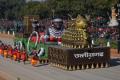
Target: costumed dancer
[[5, 52], [23, 56], [35, 58], [10, 52], [15, 54], [18, 54], [2, 46], [1, 50]]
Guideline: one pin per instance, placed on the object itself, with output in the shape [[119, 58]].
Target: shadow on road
[[115, 62], [40, 65]]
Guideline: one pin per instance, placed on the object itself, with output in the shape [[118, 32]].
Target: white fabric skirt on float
[[113, 23]]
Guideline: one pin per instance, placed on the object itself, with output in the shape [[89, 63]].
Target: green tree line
[[14, 9]]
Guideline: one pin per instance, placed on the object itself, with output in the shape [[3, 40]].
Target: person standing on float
[[55, 31], [53, 34]]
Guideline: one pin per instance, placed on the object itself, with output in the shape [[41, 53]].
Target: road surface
[[12, 70]]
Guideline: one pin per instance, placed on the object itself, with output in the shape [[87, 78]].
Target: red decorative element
[[42, 33], [33, 39], [51, 39], [59, 39]]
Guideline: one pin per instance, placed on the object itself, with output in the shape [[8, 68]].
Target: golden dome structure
[[75, 36]]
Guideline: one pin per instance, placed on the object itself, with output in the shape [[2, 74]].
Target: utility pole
[[53, 13]]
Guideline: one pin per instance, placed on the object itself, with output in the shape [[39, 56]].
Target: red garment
[[35, 57], [18, 55], [10, 52], [1, 50], [23, 56], [15, 52], [5, 53]]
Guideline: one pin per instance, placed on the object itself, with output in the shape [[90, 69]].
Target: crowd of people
[[6, 25], [7, 51]]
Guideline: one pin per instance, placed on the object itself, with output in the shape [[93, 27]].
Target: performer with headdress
[[55, 31], [53, 34]]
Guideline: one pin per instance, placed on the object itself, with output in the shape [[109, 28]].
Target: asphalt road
[[12, 70]]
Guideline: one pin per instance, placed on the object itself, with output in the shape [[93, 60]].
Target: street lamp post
[[53, 13]]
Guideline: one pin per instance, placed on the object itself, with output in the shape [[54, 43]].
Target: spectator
[[118, 45]]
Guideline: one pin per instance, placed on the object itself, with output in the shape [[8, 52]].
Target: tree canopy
[[13, 9], [10, 8]]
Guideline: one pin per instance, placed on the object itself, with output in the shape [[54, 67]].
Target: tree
[[13, 9], [10, 8], [75, 7], [36, 8]]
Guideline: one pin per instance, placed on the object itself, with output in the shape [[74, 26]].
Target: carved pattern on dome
[[75, 36]]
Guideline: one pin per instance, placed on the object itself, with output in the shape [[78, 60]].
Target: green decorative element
[[35, 44], [38, 47]]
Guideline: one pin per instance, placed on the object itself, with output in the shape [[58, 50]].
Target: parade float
[[75, 51], [32, 39]]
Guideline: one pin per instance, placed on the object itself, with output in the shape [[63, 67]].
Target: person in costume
[[15, 54], [1, 50], [18, 54], [55, 31], [52, 34], [34, 59], [10, 51], [35, 25], [23, 56], [5, 52]]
